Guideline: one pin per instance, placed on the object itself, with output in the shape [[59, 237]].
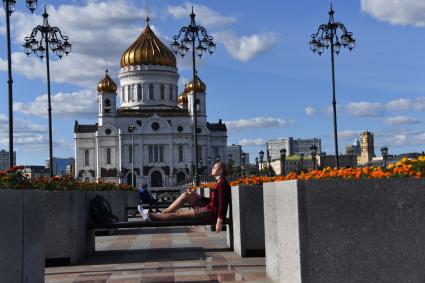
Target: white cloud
[[257, 122], [204, 15], [405, 139], [406, 104], [310, 111], [401, 120], [245, 47], [75, 104], [252, 142], [101, 32], [349, 134], [397, 12], [364, 109]]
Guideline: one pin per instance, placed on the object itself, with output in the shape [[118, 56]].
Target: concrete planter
[[116, 199], [68, 239], [248, 220], [22, 236], [132, 201], [345, 230]]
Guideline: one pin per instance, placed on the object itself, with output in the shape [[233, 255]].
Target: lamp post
[[351, 155], [269, 160], [58, 43], [256, 165], [384, 151], [322, 159], [301, 161], [327, 36], [282, 161], [229, 159], [261, 154], [9, 8], [209, 164], [131, 129], [313, 151], [243, 164], [188, 37]]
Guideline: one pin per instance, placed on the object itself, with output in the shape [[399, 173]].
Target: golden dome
[[200, 86], [148, 50], [183, 96], [106, 84]]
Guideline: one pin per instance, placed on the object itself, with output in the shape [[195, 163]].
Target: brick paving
[[177, 254]]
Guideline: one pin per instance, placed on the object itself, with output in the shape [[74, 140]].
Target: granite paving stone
[[164, 254]]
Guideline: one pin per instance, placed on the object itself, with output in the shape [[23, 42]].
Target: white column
[[96, 154], [119, 154]]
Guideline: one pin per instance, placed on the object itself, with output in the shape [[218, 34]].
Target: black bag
[[100, 211]]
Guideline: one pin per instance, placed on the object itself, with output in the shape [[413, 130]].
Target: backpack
[[100, 211]]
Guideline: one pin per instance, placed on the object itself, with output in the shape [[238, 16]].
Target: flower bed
[[414, 168], [15, 179]]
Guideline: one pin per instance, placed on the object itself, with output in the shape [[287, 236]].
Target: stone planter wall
[[68, 239], [21, 236], [345, 230], [132, 201], [248, 220]]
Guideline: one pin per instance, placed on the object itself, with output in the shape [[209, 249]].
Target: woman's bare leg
[[179, 202], [184, 214]]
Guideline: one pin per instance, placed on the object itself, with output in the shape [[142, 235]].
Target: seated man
[[146, 198], [213, 208]]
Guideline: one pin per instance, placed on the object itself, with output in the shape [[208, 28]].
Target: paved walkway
[[178, 254]]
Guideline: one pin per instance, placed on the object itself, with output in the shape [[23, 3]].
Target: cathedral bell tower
[[200, 88], [106, 98]]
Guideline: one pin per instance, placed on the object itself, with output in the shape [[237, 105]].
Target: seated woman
[[213, 208]]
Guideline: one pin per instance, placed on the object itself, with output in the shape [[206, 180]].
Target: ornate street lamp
[[188, 37], [256, 164], [49, 37], [322, 159], [229, 159], [209, 164], [302, 161], [313, 151], [9, 8], [131, 128], [282, 161], [243, 164], [384, 151], [327, 36], [350, 153], [269, 160], [261, 154]]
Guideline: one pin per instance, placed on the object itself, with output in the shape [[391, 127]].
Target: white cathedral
[[163, 138]]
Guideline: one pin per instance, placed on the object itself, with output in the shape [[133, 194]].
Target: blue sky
[[263, 80]]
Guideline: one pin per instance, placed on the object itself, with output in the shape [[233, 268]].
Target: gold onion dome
[[200, 86], [148, 50], [106, 84], [183, 96]]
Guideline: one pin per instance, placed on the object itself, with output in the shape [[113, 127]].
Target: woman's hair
[[223, 168]]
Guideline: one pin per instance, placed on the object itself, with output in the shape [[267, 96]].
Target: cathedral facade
[[162, 142]]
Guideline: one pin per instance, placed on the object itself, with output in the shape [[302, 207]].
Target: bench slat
[[142, 224]]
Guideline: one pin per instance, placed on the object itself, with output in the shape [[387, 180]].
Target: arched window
[[162, 92], [123, 94], [139, 92], [107, 106], [129, 93], [171, 93], [151, 92], [86, 157]]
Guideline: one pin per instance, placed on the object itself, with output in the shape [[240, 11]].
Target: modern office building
[[60, 165], [4, 160], [292, 146]]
